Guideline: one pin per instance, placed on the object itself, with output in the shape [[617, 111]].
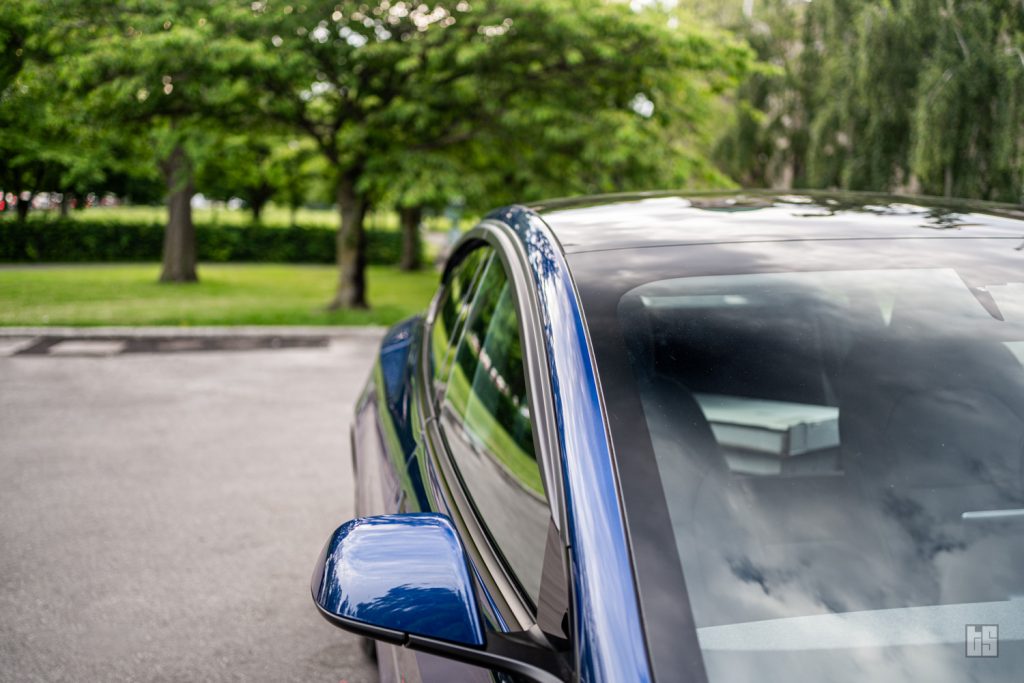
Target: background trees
[[921, 96], [386, 90], [413, 107], [170, 72]]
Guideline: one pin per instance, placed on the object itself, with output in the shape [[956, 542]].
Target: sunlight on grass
[[227, 294]]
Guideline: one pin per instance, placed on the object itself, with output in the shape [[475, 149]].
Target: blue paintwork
[[397, 369], [405, 573], [609, 635]]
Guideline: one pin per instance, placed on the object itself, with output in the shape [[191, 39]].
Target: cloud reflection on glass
[[841, 451]]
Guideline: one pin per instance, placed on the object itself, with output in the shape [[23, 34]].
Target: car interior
[[845, 452]]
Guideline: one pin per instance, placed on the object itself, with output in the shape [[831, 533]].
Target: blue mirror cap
[[395, 576]]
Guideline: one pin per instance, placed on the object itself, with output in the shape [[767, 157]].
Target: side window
[[486, 420], [452, 310]]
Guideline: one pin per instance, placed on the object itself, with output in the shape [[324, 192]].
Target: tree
[[906, 95], [257, 167], [766, 142], [168, 71], [293, 170], [415, 182], [968, 118], [25, 114], [370, 81], [240, 168]]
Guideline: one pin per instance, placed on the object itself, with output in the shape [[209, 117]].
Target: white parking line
[[87, 347], [10, 346]]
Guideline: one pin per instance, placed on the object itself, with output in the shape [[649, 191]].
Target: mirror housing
[[400, 574], [404, 579]]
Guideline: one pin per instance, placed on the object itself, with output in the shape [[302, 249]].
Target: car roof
[[639, 220]]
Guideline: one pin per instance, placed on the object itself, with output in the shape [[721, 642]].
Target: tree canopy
[[415, 106], [921, 96], [532, 95]]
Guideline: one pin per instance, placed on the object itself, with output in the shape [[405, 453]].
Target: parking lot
[[161, 508]]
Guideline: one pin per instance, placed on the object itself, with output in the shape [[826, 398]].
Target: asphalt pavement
[[161, 508]]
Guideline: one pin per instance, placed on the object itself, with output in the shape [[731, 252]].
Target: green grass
[[227, 294]]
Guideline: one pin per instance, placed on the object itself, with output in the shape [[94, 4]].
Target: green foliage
[[39, 241], [48, 140], [258, 167], [907, 95], [417, 105], [408, 105], [969, 114], [145, 61]]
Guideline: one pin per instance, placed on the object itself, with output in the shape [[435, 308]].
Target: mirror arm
[[370, 631], [516, 653]]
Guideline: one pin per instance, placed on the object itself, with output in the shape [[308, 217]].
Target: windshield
[[841, 455]]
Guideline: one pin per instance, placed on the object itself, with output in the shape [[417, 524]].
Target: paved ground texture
[[161, 508]]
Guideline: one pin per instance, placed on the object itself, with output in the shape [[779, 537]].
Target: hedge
[[68, 241]]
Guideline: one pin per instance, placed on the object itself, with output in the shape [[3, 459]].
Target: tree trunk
[[258, 199], [22, 207], [65, 204], [179, 262], [351, 247], [410, 218]]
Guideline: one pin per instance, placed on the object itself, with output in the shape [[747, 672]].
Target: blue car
[[719, 437]]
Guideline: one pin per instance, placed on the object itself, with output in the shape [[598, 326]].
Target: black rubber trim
[[376, 632], [514, 653], [511, 653]]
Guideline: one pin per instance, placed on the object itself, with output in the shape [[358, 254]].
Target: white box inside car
[[774, 428]]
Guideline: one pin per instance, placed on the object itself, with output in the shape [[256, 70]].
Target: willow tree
[[905, 95], [968, 117]]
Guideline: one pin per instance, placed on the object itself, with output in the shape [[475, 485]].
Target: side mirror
[[404, 579]]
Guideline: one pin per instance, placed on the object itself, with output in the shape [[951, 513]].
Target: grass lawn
[[227, 294]]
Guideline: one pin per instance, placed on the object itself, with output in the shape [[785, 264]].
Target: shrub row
[[59, 241]]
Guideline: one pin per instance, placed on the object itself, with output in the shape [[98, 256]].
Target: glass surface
[[486, 420], [841, 454], [452, 309]]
